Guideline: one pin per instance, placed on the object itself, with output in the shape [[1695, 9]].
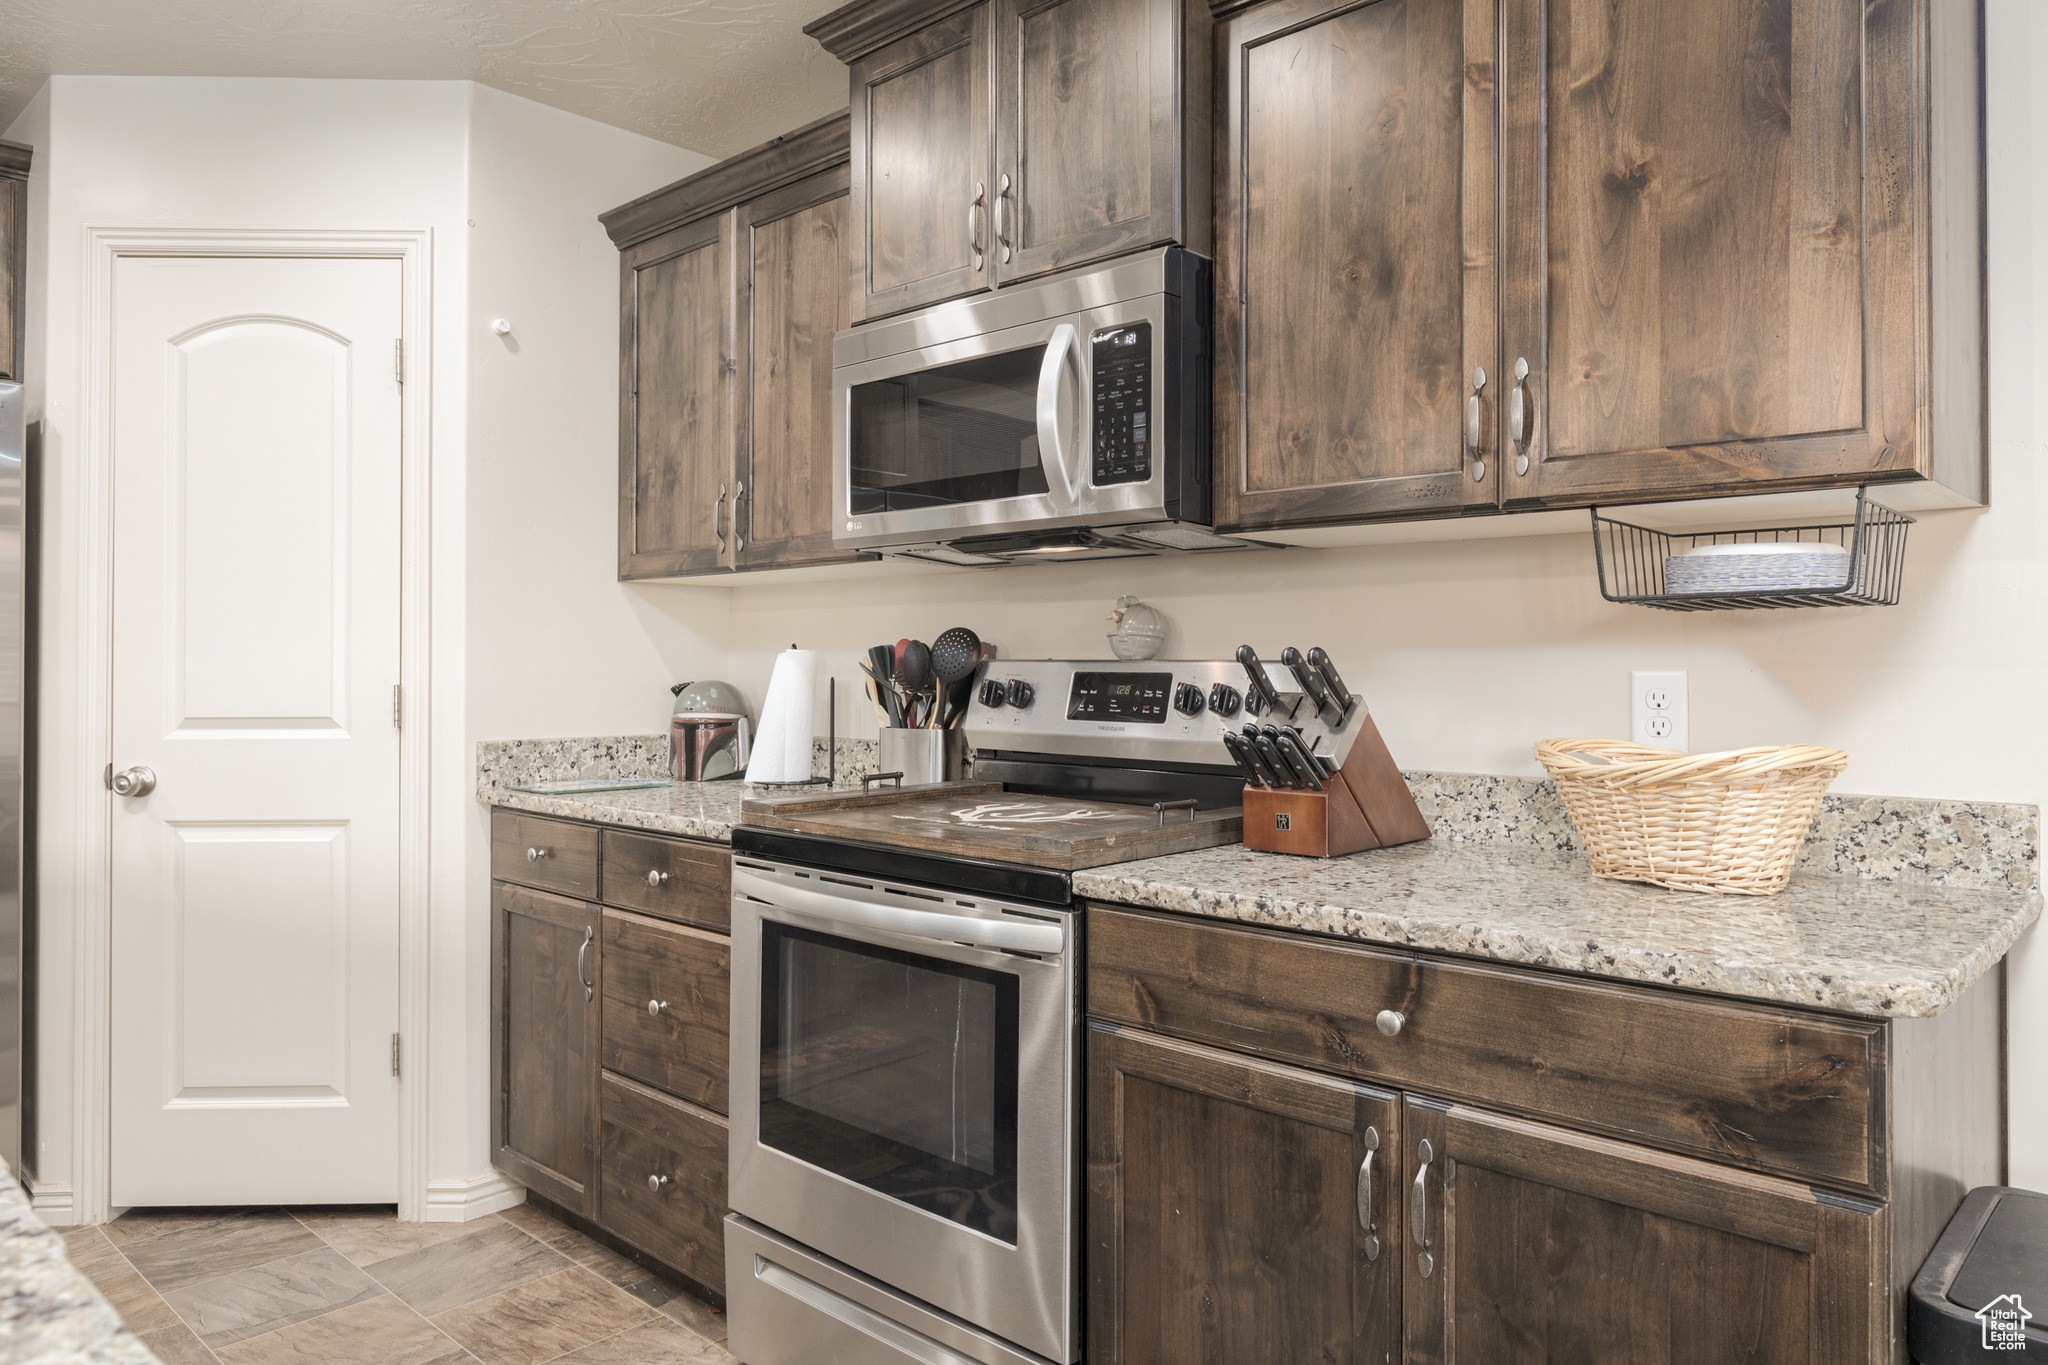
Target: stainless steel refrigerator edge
[[14, 967]]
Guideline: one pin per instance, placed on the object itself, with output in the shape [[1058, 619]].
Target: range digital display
[[1120, 696]]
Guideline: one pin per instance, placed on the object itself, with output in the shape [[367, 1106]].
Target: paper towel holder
[[831, 777]]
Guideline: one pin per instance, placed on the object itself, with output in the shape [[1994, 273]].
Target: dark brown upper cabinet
[[1695, 250], [1007, 139], [732, 283], [1355, 285], [14, 164]]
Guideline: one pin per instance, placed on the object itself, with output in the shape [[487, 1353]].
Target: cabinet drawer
[[669, 878], [1773, 1089], [681, 1047], [563, 855], [650, 1136]]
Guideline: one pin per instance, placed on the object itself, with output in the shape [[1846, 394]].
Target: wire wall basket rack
[[1856, 563]]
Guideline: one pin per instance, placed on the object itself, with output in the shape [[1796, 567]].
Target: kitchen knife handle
[[1298, 758], [1256, 672], [1271, 753], [1249, 743], [1519, 412], [1339, 693], [1311, 682], [1242, 760], [1474, 426]]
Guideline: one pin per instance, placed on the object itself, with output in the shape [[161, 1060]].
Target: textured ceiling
[[716, 76]]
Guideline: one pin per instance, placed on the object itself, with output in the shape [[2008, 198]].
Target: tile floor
[[358, 1287]]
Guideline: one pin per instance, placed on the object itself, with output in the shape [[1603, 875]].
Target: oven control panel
[[1123, 404], [1139, 697]]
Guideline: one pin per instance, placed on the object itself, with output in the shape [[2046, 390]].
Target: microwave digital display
[[1120, 696], [1123, 404]]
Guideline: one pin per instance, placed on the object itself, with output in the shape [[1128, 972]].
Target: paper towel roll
[[782, 746]]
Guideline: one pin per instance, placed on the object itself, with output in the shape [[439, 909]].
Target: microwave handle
[[1063, 471]]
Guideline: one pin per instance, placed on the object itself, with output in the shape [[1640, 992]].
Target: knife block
[[1367, 805]]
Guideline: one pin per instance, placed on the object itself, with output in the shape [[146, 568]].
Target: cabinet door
[[921, 155], [1528, 1243], [793, 248], [546, 952], [1088, 129], [1237, 1210], [13, 273], [675, 443], [1708, 237], [1355, 277]]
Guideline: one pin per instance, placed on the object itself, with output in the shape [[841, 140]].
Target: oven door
[[903, 1090], [996, 432]]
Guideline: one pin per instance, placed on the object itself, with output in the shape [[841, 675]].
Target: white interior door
[[256, 648]]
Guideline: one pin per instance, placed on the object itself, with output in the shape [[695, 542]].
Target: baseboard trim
[[458, 1201], [52, 1202]]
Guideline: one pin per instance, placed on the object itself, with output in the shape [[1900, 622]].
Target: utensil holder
[[1366, 805], [923, 755]]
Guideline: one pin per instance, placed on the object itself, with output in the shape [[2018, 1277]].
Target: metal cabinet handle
[[1519, 412], [655, 1007], [1002, 230], [655, 1182], [1420, 1213], [739, 493], [656, 878], [1474, 426], [975, 211], [534, 855], [1366, 1219], [1389, 1021], [718, 519], [133, 782], [582, 955]]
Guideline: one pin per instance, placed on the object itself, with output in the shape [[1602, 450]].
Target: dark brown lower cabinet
[[1529, 1243], [545, 955], [1238, 1211], [664, 1179]]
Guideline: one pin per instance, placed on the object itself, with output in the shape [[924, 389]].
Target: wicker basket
[[1727, 823]]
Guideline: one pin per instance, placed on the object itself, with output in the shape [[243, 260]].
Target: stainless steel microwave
[[1067, 417]]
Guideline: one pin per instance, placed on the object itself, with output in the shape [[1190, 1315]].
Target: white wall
[[554, 643], [523, 450], [1470, 651]]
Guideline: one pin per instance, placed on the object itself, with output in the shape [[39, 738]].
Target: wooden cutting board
[[981, 820]]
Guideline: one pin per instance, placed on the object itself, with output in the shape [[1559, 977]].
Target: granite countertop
[[1896, 907], [49, 1311], [1889, 948]]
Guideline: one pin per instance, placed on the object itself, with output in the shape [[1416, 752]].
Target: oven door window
[[953, 434], [895, 1070]]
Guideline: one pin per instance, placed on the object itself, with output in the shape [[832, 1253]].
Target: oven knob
[[1223, 700], [991, 694], [1187, 699], [1019, 693]]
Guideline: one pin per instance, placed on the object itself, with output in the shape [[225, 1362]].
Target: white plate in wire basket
[[1757, 566]]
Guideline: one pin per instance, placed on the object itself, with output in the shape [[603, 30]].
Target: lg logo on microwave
[[852, 525]]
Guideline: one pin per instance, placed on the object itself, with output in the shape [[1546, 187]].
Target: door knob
[[133, 782]]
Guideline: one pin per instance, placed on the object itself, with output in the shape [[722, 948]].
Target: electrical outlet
[[1657, 709]]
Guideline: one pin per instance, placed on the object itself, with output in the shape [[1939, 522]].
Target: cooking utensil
[[882, 668], [917, 678], [1269, 696], [955, 657], [1320, 662], [1243, 758], [1270, 752], [1312, 682]]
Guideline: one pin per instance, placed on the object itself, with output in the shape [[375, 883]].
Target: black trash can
[[1982, 1293]]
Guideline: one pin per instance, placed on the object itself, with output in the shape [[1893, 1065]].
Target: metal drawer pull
[[1473, 426], [1425, 1154], [655, 1007], [974, 212], [1389, 1022], [582, 955], [1518, 414], [1365, 1214], [1161, 807], [655, 1182], [1002, 232], [656, 878], [718, 519], [873, 778], [739, 492], [534, 855]]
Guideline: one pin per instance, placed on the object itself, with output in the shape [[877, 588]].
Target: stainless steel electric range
[[906, 1025]]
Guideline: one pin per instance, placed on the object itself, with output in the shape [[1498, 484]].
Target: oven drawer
[[669, 878], [661, 1178], [554, 855], [682, 1046], [1773, 1089]]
